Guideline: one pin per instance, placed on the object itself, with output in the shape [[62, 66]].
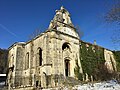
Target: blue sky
[[19, 18]]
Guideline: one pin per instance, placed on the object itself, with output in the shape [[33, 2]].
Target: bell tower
[[62, 22], [64, 44]]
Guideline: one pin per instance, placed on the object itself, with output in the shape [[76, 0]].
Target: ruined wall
[[40, 61], [57, 54], [12, 62], [53, 57], [110, 60], [19, 65], [15, 60]]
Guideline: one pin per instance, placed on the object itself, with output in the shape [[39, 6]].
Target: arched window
[[40, 56], [67, 68], [65, 46], [27, 61]]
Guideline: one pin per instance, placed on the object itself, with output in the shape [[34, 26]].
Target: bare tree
[[113, 17], [79, 31], [34, 34]]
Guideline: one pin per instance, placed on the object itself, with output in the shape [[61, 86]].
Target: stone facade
[[110, 60], [49, 57]]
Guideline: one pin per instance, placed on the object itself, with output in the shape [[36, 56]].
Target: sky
[[20, 18]]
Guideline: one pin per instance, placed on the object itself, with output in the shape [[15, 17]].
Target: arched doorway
[[67, 67], [66, 50]]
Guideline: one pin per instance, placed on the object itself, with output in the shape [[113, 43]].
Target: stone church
[[49, 57]]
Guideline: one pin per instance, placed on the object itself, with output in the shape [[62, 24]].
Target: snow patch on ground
[[108, 85]]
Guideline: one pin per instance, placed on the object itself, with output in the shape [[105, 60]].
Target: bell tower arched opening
[[65, 46]]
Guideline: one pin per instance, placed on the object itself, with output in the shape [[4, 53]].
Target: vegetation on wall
[[92, 62], [92, 57], [78, 75], [3, 60], [117, 58]]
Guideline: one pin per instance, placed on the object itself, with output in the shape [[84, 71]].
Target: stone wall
[[49, 56], [110, 60]]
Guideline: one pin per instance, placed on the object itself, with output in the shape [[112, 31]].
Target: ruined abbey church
[[50, 57]]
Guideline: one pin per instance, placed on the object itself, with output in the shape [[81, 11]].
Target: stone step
[[71, 81]]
